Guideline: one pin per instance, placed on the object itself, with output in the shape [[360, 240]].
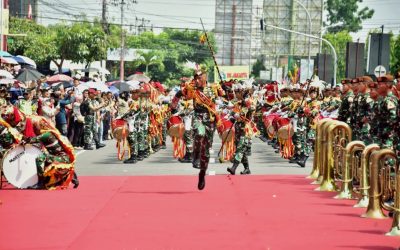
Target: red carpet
[[251, 212]]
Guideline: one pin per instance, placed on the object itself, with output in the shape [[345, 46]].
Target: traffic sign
[[380, 71]]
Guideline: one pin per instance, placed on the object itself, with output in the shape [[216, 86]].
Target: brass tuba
[[337, 132], [319, 154], [382, 183], [349, 163], [361, 175]]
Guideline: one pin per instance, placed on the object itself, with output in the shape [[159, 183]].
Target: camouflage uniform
[[346, 107], [132, 119], [387, 113], [365, 109], [302, 147], [243, 134], [55, 153], [89, 128]]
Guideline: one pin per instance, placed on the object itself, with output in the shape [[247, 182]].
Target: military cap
[[346, 81], [385, 79]]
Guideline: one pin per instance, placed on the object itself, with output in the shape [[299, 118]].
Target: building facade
[[20, 8]]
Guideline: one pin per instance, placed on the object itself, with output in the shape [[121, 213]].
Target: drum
[[223, 130], [119, 129], [269, 124], [285, 129], [175, 126], [19, 165]]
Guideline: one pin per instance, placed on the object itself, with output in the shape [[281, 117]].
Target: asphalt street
[[104, 162]]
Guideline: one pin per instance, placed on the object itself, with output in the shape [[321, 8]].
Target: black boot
[[246, 168], [293, 159], [140, 156], [146, 153], [131, 159], [187, 158], [302, 160], [100, 145], [196, 164], [232, 169], [88, 147], [202, 180], [75, 180], [163, 145]]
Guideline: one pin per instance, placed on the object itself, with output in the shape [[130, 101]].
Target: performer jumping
[[204, 120]]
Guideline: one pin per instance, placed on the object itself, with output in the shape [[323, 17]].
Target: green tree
[[395, 54], [339, 41], [257, 67], [24, 26], [152, 57], [348, 13]]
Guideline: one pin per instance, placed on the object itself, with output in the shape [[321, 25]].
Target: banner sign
[[232, 72]]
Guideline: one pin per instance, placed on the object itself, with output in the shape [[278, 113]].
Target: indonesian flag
[[30, 11]]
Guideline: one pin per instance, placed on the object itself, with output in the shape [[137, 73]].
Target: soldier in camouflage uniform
[[241, 116], [372, 118], [88, 109], [365, 108], [355, 116], [312, 112], [387, 112], [186, 114], [55, 165], [346, 106], [203, 122], [132, 119], [299, 121]]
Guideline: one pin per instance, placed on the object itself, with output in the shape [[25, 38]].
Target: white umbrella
[[6, 81], [102, 87], [27, 60], [6, 74], [8, 60], [139, 77], [127, 86]]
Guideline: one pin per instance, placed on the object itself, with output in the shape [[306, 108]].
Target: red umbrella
[[59, 78]]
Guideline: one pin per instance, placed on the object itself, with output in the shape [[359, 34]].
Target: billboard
[[232, 72]]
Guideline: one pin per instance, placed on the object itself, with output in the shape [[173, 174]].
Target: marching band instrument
[[19, 165]]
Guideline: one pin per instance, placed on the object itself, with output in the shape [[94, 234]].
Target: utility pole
[[104, 16], [122, 62]]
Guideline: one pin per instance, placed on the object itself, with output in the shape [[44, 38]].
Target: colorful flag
[[203, 38]]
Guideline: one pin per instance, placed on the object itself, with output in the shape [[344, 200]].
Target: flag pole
[[211, 50]]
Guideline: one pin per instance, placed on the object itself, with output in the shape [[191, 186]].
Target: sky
[[186, 13]]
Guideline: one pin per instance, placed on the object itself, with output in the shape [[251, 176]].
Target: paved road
[[103, 162]]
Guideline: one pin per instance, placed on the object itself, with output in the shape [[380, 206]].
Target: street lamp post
[[315, 37], [309, 40]]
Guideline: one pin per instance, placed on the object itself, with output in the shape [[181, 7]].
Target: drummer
[[55, 166], [130, 116], [242, 116]]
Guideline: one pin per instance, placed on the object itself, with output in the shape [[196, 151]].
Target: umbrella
[[127, 86], [6, 81], [25, 60], [64, 84], [95, 85], [114, 90], [4, 53], [8, 60], [59, 78], [29, 75], [6, 74], [139, 77]]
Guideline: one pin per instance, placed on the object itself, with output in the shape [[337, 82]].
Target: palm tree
[[151, 57]]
